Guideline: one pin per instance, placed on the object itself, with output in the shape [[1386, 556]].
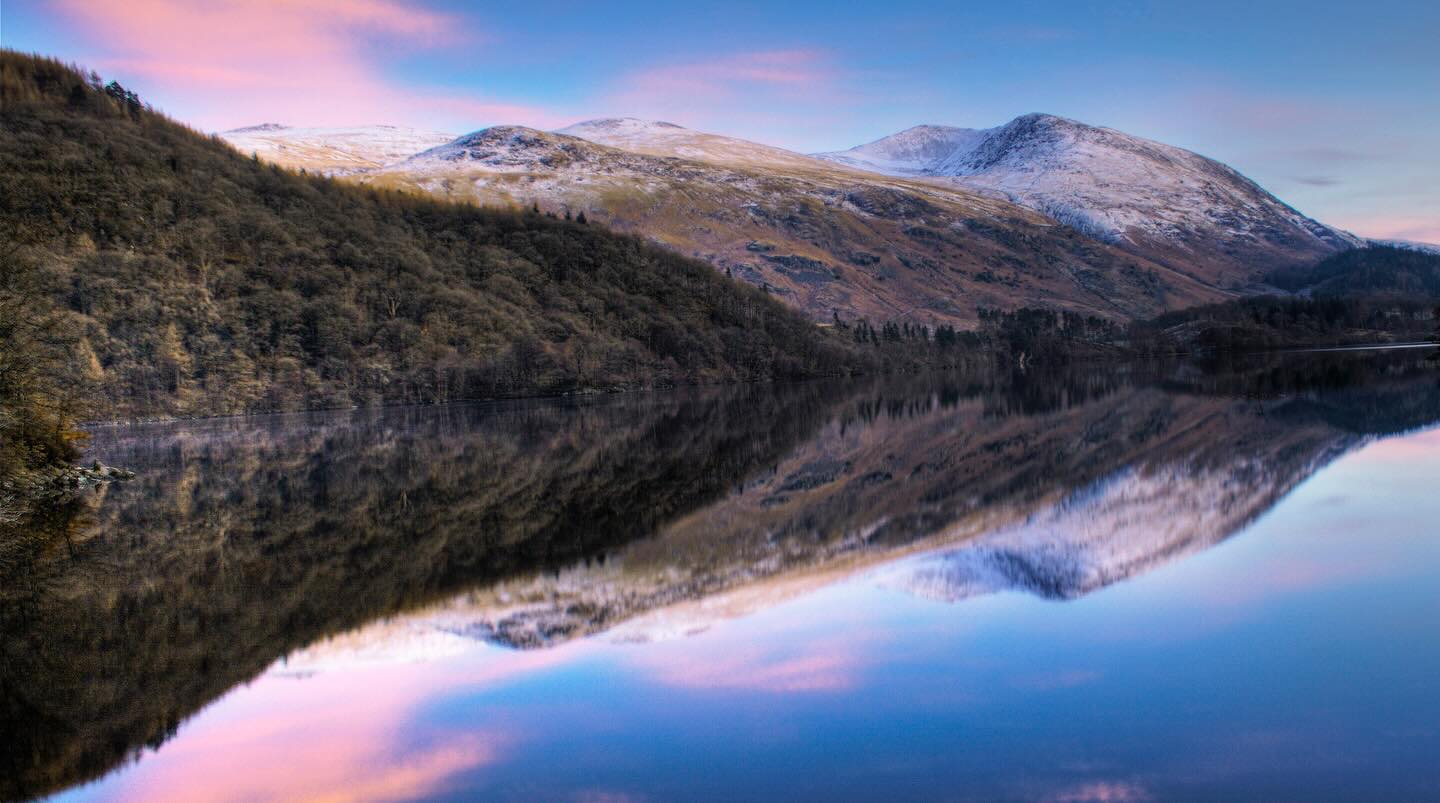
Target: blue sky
[[1333, 106]]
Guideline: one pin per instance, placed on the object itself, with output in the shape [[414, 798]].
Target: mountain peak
[[1160, 201], [498, 132], [908, 152], [618, 124], [1044, 118], [253, 129], [502, 148]]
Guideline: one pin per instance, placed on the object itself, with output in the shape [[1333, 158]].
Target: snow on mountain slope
[[945, 503], [1122, 527], [827, 239], [656, 138], [334, 151], [912, 152], [1166, 203]]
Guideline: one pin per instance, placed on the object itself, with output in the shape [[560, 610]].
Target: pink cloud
[[730, 75], [1420, 228], [753, 91], [287, 739], [820, 668], [1240, 110], [304, 62]]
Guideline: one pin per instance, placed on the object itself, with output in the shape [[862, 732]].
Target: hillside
[[194, 280], [1150, 199], [828, 240], [1403, 270], [658, 138], [1376, 294]]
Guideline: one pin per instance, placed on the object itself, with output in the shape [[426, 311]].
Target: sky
[[1330, 104]]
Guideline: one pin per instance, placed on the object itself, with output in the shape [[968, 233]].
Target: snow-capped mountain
[[658, 138], [912, 152], [334, 151], [827, 239], [928, 224], [1166, 203]]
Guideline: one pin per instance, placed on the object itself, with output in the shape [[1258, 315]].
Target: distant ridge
[[335, 150]]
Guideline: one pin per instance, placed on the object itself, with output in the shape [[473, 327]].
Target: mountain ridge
[[808, 227], [1171, 205], [832, 241], [336, 151]]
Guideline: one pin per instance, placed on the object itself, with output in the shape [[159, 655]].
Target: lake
[[1105, 583]]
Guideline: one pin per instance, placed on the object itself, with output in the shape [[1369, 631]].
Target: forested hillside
[[1377, 269], [192, 280], [1376, 294]]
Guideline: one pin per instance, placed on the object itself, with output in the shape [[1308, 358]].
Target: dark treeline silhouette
[[1273, 322], [1365, 295], [1019, 336]]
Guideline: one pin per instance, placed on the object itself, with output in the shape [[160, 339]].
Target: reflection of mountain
[[1122, 526], [1059, 504], [244, 540]]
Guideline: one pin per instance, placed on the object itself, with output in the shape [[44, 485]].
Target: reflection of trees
[[244, 539]]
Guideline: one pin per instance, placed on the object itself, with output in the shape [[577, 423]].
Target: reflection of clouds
[[338, 740], [1101, 792], [756, 669], [778, 650], [412, 777]]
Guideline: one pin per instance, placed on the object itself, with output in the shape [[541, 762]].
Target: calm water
[[1180, 583]]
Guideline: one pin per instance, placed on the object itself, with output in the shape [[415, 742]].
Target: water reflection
[[637, 519]]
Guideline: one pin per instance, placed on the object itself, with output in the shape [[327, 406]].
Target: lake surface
[[1106, 584]]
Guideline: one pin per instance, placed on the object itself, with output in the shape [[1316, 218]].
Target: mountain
[[658, 138], [826, 239], [1158, 201], [333, 151], [193, 280], [927, 225]]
